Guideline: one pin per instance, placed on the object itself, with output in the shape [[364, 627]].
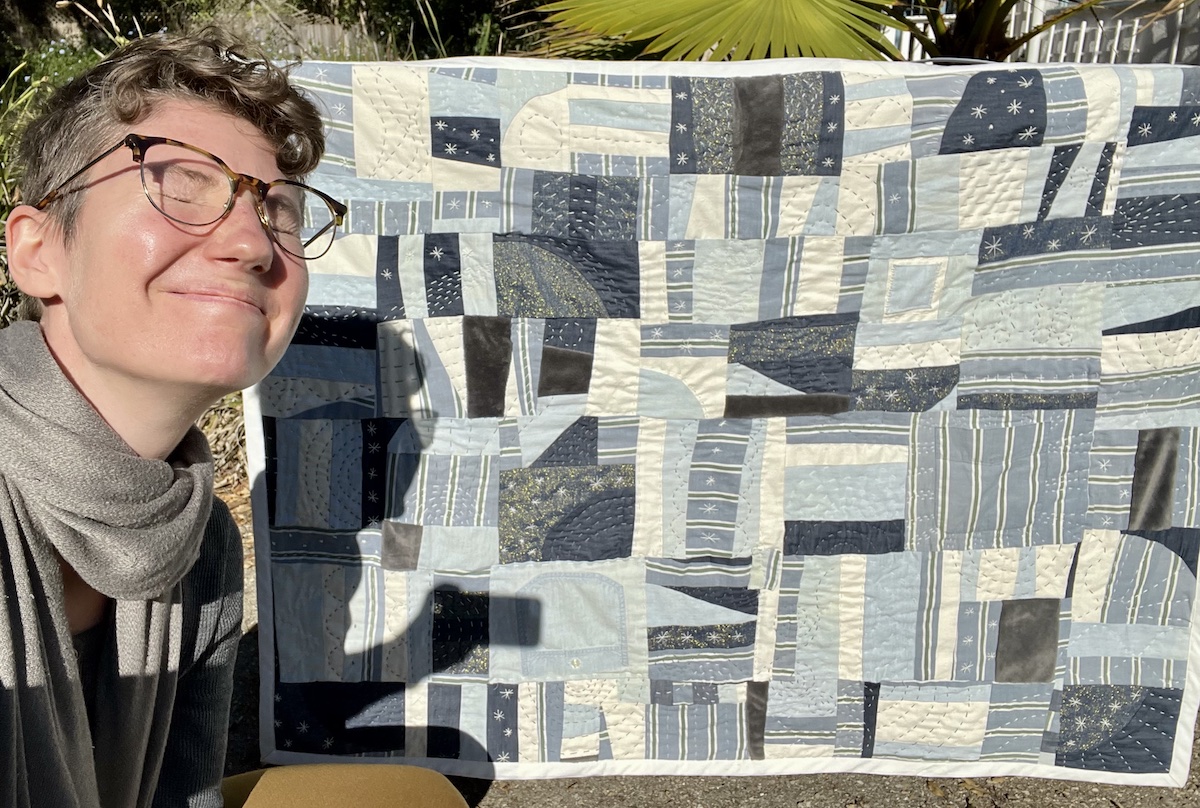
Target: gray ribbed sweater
[[194, 758]]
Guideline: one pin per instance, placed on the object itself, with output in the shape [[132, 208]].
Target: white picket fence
[[1108, 33]]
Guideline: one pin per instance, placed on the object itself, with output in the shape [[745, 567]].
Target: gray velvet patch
[[1027, 644], [783, 406], [487, 344], [564, 372], [1154, 466], [758, 136], [756, 718], [401, 546]]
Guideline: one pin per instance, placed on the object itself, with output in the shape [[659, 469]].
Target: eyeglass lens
[[193, 189]]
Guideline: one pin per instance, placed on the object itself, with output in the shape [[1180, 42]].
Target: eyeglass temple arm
[[57, 191]]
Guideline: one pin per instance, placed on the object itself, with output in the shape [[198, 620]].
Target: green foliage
[[44, 68], [417, 29], [17, 95], [732, 29]]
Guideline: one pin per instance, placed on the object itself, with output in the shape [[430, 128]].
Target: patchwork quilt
[[781, 417]]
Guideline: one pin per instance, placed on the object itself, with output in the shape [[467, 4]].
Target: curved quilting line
[[535, 120], [528, 274], [589, 524], [1183, 593], [656, 384], [1175, 343], [400, 145]]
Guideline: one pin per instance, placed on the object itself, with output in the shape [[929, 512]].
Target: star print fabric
[[719, 419]]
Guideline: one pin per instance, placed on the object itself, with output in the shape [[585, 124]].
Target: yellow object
[[335, 785]]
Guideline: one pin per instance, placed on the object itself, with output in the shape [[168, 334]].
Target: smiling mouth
[[223, 298]]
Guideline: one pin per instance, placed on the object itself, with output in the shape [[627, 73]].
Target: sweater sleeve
[[194, 759]]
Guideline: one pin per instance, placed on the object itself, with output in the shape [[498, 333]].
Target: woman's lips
[[226, 297]]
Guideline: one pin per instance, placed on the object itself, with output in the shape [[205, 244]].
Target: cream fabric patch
[[391, 123], [991, 188]]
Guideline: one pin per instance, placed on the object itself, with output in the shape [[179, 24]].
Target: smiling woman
[[167, 255]]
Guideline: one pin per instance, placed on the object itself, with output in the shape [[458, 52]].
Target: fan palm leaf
[[732, 29]]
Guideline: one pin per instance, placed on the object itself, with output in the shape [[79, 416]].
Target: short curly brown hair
[[85, 116]]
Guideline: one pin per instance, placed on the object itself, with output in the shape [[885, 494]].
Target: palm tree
[[722, 29], [978, 29]]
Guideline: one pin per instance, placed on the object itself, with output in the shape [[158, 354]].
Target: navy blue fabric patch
[[683, 144], [339, 718], [321, 325], [466, 139], [389, 300], [566, 513], [812, 354], [662, 692], [1070, 591], [443, 275], [998, 110], [1188, 318], [1095, 200], [1060, 166], [541, 276], [460, 626], [731, 635], [1045, 237], [594, 530], [731, 597], [503, 706], [576, 446], [1143, 221], [571, 333], [1182, 541], [1141, 724], [270, 464], [1026, 401], [827, 159], [902, 390], [870, 715], [843, 538], [1156, 124], [377, 433], [584, 206]]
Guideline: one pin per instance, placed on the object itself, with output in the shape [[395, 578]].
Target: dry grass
[[225, 427], [226, 431]]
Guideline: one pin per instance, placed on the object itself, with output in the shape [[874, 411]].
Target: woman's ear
[[36, 252]]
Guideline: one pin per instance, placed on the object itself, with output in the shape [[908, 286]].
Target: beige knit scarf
[[131, 528]]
